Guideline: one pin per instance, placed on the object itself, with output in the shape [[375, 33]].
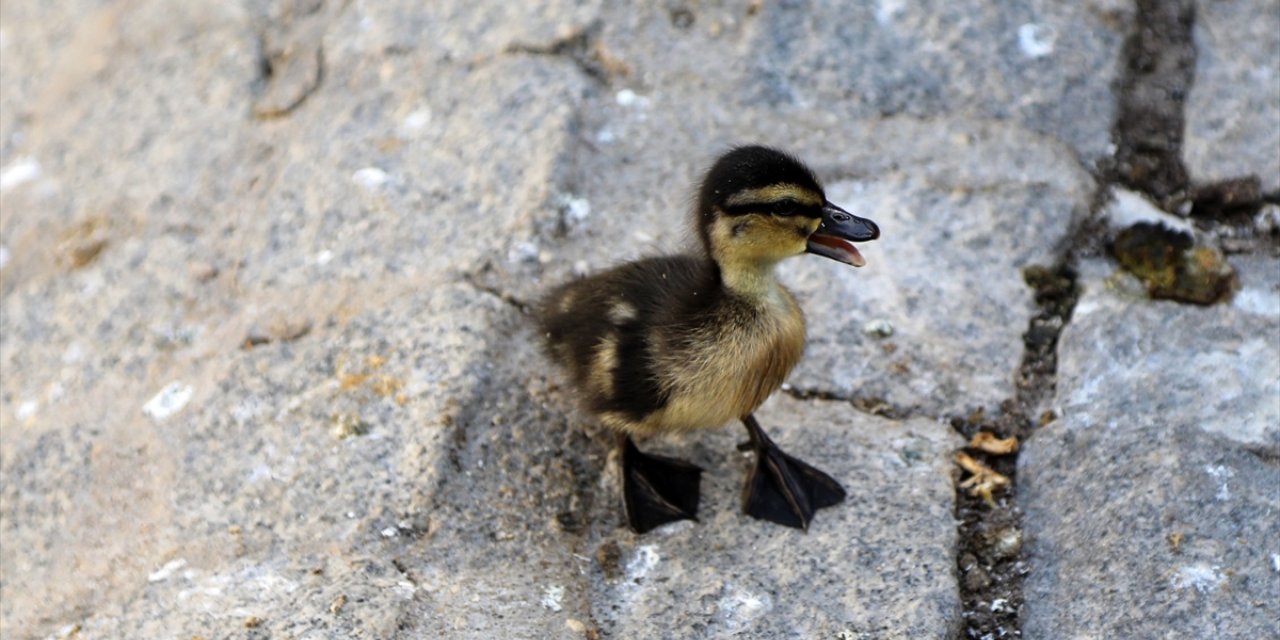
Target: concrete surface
[[264, 370]]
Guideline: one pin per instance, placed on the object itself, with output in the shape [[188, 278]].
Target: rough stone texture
[[978, 204], [734, 575], [1153, 504], [1233, 110], [1046, 65]]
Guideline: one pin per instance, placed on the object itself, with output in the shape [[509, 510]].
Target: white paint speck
[[551, 597], [581, 268], [390, 532], [523, 252], [26, 409], [1037, 40], [1275, 562], [605, 136], [4, 256], [370, 178], [66, 631], [169, 568], [1201, 577], [169, 401], [1130, 208], [629, 98], [416, 121], [576, 209], [1000, 604], [887, 10], [324, 257], [640, 564], [258, 474], [21, 171], [1221, 474]]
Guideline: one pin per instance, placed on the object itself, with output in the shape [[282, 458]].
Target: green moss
[[1172, 267]]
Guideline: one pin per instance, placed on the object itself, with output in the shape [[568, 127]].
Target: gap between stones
[[1157, 70], [582, 47]]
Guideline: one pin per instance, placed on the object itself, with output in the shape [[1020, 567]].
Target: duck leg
[[657, 489], [783, 489]]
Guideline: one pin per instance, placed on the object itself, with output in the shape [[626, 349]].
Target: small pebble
[[878, 328], [338, 603], [348, 425], [1006, 543]]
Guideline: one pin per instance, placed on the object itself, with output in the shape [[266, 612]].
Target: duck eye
[[785, 208]]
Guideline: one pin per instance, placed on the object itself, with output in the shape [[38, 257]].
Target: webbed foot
[[657, 489], [784, 489]]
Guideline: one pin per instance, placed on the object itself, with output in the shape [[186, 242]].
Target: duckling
[[673, 344]]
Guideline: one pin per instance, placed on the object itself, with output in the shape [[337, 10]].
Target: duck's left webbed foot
[[784, 489], [657, 489]]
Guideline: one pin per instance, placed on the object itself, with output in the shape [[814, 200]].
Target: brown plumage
[[695, 341]]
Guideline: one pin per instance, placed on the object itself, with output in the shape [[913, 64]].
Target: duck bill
[[839, 230]]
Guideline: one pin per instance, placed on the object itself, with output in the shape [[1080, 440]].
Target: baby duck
[[677, 343]]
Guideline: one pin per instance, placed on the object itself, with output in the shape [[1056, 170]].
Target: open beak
[[839, 230]]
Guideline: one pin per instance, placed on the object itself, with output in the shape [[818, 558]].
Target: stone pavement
[[265, 369]]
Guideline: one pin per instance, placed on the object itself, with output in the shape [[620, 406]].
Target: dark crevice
[[867, 404], [989, 561], [476, 283], [1158, 68], [1156, 78], [291, 61], [583, 47], [1156, 73]]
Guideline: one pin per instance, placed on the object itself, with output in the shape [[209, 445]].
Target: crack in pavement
[[291, 55], [1157, 71], [870, 405], [583, 47], [1159, 65], [989, 563]]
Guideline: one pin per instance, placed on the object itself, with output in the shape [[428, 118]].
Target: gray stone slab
[[1047, 65], [879, 565], [1233, 108], [1153, 503], [285, 478]]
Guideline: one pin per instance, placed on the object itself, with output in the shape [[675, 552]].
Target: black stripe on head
[[787, 207]]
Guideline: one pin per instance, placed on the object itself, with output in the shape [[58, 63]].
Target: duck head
[[758, 205]]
